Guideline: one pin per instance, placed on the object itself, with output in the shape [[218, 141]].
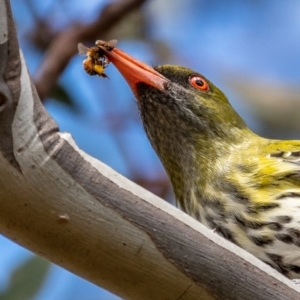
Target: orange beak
[[135, 71]]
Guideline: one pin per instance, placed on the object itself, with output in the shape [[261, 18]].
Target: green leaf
[[26, 280], [61, 95]]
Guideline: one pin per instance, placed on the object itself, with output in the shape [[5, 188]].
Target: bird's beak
[[135, 71]]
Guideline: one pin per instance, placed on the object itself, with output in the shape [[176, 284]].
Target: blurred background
[[250, 49]]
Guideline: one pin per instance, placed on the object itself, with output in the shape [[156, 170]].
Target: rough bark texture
[[70, 208]]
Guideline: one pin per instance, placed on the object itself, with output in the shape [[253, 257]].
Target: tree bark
[[75, 211]]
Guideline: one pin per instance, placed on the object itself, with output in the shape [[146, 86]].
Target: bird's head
[[188, 120]]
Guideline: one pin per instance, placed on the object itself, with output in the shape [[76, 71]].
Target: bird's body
[[243, 186]]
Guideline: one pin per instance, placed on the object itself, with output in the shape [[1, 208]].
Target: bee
[[96, 62]]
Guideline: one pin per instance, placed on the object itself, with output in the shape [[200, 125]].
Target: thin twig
[[64, 46]]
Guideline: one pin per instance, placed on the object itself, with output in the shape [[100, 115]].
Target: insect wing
[[107, 45], [82, 49], [112, 43]]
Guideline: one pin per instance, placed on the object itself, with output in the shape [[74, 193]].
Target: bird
[[243, 186]]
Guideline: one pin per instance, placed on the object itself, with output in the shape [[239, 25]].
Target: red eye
[[199, 83]]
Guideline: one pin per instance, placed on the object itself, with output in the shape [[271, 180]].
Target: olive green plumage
[[243, 186]]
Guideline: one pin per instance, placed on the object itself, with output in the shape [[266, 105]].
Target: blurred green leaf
[[26, 280], [61, 95]]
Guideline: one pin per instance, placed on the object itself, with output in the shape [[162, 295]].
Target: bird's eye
[[199, 83]]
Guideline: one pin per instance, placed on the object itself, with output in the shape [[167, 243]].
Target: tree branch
[[64, 46], [75, 211]]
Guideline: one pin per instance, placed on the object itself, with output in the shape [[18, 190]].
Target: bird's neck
[[189, 173], [190, 166]]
